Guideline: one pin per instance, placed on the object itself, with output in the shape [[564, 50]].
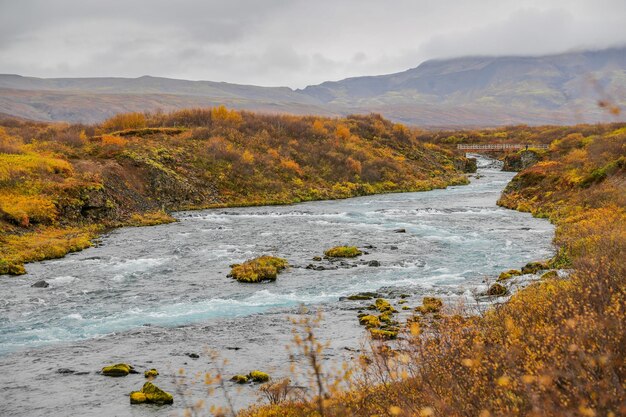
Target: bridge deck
[[498, 146]]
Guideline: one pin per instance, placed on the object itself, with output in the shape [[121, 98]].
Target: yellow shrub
[[27, 209]]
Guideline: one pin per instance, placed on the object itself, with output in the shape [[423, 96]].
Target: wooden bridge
[[498, 146]]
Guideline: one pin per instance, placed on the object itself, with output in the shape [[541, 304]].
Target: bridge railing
[[498, 146]]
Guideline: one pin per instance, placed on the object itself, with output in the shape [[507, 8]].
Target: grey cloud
[[287, 42]]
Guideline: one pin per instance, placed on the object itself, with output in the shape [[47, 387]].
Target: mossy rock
[[137, 397], [258, 376], [117, 370], [383, 306], [343, 252], [430, 305], [497, 290], [317, 258], [263, 268], [386, 317], [152, 373], [369, 321], [381, 334], [151, 394], [508, 274], [550, 275], [362, 296], [534, 267], [406, 308], [240, 379]]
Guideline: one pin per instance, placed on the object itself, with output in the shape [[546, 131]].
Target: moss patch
[[120, 369], [343, 252], [430, 305], [264, 268], [151, 394]]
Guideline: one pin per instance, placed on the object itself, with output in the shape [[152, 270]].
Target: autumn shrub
[[27, 209], [343, 252], [9, 144], [555, 348], [42, 243], [124, 121], [264, 268]]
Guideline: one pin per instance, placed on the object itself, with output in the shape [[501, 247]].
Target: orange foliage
[[125, 121]]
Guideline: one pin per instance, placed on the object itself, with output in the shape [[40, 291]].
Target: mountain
[[469, 91], [559, 89]]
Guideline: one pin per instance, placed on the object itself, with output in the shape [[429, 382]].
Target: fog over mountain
[[487, 91]]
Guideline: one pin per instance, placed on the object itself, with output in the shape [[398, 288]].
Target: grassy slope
[[60, 185], [557, 347]]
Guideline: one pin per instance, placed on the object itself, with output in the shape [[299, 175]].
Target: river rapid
[[158, 296]]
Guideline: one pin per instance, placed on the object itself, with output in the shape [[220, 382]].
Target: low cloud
[[287, 42]]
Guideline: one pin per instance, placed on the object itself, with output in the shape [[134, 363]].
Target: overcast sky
[[293, 43]]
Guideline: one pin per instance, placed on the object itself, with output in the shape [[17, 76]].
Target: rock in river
[[151, 394], [40, 284], [120, 369]]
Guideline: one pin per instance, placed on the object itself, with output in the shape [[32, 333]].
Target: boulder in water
[[534, 267], [508, 274], [151, 394], [373, 263], [430, 305], [497, 290], [240, 379], [40, 284], [152, 373], [258, 376], [400, 231], [120, 369], [343, 252]]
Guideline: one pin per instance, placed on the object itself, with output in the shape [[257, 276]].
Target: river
[[151, 296]]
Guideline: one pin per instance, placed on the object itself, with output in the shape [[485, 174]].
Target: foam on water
[[175, 274]]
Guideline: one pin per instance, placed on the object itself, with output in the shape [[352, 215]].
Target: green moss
[[534, 267], [369, 321], [11, 268], [508, 274], [383, 306], [137, 397], [381, 334], [152, 373], [406, 308], [343, 252], [362, 296], [430, 305], [258, 376], [120, 369], [240, 379], [550, 275], [264, 268], [386, 317], [151, 394], [497, 290]]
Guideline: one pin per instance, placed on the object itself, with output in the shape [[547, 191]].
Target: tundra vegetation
[[263, 268], [556, 347], [61, 185]]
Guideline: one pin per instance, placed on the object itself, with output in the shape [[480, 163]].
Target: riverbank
[[555, 348], [150, 296], [63, 185]]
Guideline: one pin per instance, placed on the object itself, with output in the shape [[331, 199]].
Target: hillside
[[60, 185], [555, 348], [559, 89], [471, 91]]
